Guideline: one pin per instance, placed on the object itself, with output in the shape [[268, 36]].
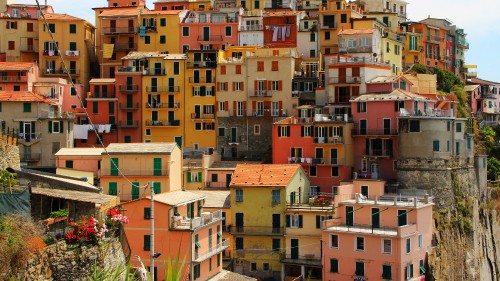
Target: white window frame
[[209, 92], [294, 221], [351, 43], [218, 131], [208, 109], [259, 110], [237, 86], [275, 108], [196, 91], [147, 132], [222, 86], [239, 108], [420, 241], [356, 246], [308, 131], [222, 106], [58, 131], [383, 246], [406, 244], [239, 197], [274, 85]]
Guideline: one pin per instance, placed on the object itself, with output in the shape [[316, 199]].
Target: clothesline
[[82, 131], [279, 31]]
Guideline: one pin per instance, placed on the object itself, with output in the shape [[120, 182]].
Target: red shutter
[[226, 86], [280, 85], [226, 106], [269, 85], [216, 106], [223, 69], [280, 107], [255, 87], [234, 86], [244, 108], [254, 106], [234, 108], [242, 86], [267, 108], [218, 86]]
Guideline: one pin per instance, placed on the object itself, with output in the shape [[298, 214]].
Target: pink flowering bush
[[86, 231]]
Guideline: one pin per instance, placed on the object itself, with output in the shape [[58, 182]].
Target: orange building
[[280, 28], [376, 236], [182, 227], [434, 43]]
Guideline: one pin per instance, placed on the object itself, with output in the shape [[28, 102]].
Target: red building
[[280, 28]]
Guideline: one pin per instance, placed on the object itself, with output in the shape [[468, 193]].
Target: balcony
[[382, 152], [344, 80], [213, 251], [195, 115], [211, 38], [310, 259], [51, 53], [217, 185], [13, 79], [329, 26], [357, 49], [183, 223], [72, 53], [253, 27], [196, 80], [155, 71], [133, 69], [418, 49], [201, 64], [148, 28], [28, 48], [164, 105], [128, 88], [163, 123], [463, 44], [132, 171], [119, 30], [163, 89], [261, 94], [256, 230], [29, 137], [108, 95], [128, 124], [401, 231], [60, 71], [30, 157], [126, 47], [329, 140], [435, 39], [316, 161], [311, 6], [374, 132], [129, 106]]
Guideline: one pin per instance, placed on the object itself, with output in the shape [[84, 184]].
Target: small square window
[[69, 164], [72, 28], [386, 246], [360, 244], [163, 22], [163, 39], [148, 132], [256, 130], [27, 107], [253, 266], [265, 266], [334, 241]]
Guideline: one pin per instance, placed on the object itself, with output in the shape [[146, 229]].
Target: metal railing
[[262, 230], [163, 123], [27, 137], [108, 95], [261, 93], [213, 251], [374, 132], [30, 157], [72, 53], [134, 69], [164, 105], [128, 88], [202, 115], [357, 49], [435, 39], [195, 80], [116, 30], [201, 64], [51, 53], [253, 27], [60, 71], [125, 46], [325, 140], [211, 38], [197, 222], [128, 124], [291, 258], [155, 71], [13, 79], [127, 106], [162, 89], [344, 79], [135, 172]]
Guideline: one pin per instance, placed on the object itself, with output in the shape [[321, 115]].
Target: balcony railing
[[196, 80], [329, 26], [326, 140], [51, 53], [163, 123], [128, 106], [133, 69], [27, 137], [163, 89], [195, 115], [125, 46], [29, 48], [131, 171], [463, 44], [217, 185], [178, 222], [72, 53], [378, 153], [128, 87], [119, 30], [374, 132], [155, 71], [435, 39], [316, 161], [334, 225], [13, 79], [30, 157], [309, 7], [164, 105], [310, 259], [108, 95], [253, 27], [211, 38], [357, 49], [128, 124], [212, 252], [256, 230], [346, 79], [201, 64], [261, 93], [60, 71]]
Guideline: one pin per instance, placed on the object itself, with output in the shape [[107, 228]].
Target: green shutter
[[318, 221], [189, 177], [334, 265], [113, 188], [157, 187], [176, 67], [300, 221], [135, 190], [50, 127], [61, 126], [287, 220], [157, 166], [147, 242], [199, 176], [147, 213], [114, 167]]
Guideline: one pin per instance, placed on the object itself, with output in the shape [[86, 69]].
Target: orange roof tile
[[119, 11], [264, 174], [282, 13], [13, 96], [16, 65], [61, 17], [163, 12], [357, 31]]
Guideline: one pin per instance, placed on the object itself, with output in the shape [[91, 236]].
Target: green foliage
[[489, 136], [446, 80], [463, 101], [174, 269], [420, 69], [59, 213], [7, 179], [121, 272], [493, 168]]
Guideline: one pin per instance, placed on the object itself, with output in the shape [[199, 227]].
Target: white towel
[[100, 128], [107, 128], [80, 132], [283, 33], [288, 31], [275, 34]]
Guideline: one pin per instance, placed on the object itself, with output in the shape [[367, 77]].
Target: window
[[313, 171], [221, 132], [408, 245], [222, 86], [386, 272], [147, 242], [163, 39], [69, 164], [265, 266], [335, 171], [276, 245], [12, 45], [196, 271], [327, 35], [306, 131], [274, 66], [176, 68], [409, 271], [459, 127], [294, 221], [113, 188], [239, 195], [398, 105], [29, 27], [420, 241], [238, 241], [253, 266], [435, 145], [95, 107], [72, 28], [147, 40], [334, 241], [238, 69], [312, 37], [148, 132], [386, 246], [27, 107], [228, 31], [185, 31], [334, 265], [163, 22], [422, 267], [360, 269], [402, 217], [415, 126], [256, 130], [276, 197], [360, 244], [238, 86], [283, 131], [52, 27], [111, 107], [56, 127], [147, 213], [361, 106], [343, 18], [260, 66]]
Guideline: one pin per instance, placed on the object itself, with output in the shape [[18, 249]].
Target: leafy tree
[[463, 102], [489, 136], [493, 168]]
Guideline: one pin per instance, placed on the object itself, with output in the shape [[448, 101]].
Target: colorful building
[[376, 236], [186, 232], [259, 197], [280, 28], [127, 168], [159, 31], [80, 159], [251, 29]]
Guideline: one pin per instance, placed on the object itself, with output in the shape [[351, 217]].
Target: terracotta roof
[[264, 174], [16, 65], [482, 81], [142, 55], [61, 17], [119, 12], [282, 13], [163, 12], [397, 94], [73, 195], [140, 148], [225, 275], [357, 31], [14, 96]]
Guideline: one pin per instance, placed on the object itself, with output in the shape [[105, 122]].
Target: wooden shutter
[[234, 86], [280, 108], [216, 106], [287, 131], [244, 108], [318, 221], [280, 85], [267, 108], [188, 176], [254, 106], [226, 106], [199, 176], [218, 86], [50, 126], [234, 108], [242, 86]]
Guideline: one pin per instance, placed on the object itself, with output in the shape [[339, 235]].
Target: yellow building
[[259, 198], [75, 40], [392, 51], [335, 17], [200, 5], [159, 31], [199, 101], [413, 49], [131, 166]]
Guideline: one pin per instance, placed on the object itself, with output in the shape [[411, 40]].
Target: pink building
[[208, 30], [376, 125], [181, 227], [375, 236], [81, 159]]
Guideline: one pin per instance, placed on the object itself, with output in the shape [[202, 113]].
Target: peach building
[[83, 159], [182, 227], [375, 236]]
